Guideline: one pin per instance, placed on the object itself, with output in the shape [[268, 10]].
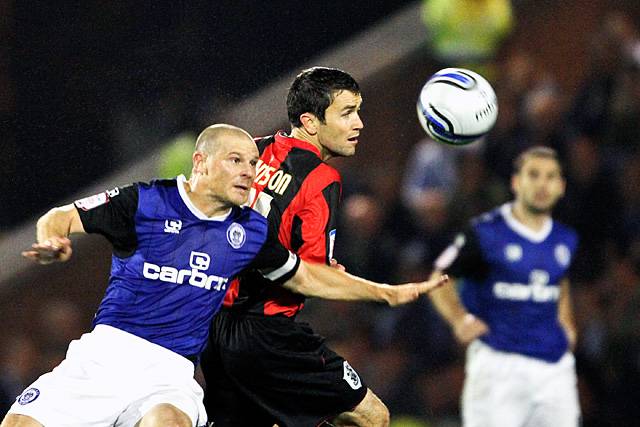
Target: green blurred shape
[[408, 421], [175, 156]]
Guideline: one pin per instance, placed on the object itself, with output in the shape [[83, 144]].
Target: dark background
[[90, 87], [75, 71]]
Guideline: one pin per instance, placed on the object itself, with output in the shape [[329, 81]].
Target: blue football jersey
[[171, 264], [510, 279]]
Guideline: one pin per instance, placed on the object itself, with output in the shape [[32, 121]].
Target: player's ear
[[563, 187], [199, 162], [515, 183], [309, 122]]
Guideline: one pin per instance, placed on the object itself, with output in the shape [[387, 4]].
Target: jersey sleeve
[[463, 257], [111, 214], [314, 227], [274, 261]]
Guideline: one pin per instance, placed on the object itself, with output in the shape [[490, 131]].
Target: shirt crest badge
[[236, 235]]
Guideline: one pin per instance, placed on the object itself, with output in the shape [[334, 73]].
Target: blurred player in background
[[176, 244], [276, 369], [514, 306]]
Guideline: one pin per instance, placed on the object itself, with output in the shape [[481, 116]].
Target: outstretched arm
[[318, 280], [465, 325], [53, 229]]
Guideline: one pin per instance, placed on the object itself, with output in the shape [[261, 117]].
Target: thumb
[[335, 264]]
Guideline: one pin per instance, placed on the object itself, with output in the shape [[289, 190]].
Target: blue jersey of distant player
[[511, 280], [171, 264]]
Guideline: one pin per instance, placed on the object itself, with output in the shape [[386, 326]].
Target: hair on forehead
[[538, 152], [210, 139], [313, 91]]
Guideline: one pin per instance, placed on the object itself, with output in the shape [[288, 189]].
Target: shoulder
[[161, 183], [327, 173], [154, 191], [156, 184], [487, 220], [488, 227], [263, 141], [565, 231]]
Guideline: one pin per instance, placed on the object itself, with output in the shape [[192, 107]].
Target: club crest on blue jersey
[[513, 252], [236, 236], [28, 396]]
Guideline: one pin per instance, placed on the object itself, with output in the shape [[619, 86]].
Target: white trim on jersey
[[523, 230], [286, 268], [181, 179]]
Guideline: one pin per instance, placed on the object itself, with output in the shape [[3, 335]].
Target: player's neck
[[301, 134], [209, 206], [534, 221]]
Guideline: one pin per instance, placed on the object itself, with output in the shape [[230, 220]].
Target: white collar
[[181, 180], [523, 230]]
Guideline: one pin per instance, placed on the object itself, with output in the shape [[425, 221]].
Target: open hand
[[403, 294]]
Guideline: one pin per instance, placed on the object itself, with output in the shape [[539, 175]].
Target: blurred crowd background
[[87, 89]]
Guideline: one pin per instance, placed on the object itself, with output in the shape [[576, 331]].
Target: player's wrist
[[461, 318], [572, 338], [385, 293], [461, 321]]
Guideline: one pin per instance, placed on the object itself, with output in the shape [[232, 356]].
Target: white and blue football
[[457, 106]]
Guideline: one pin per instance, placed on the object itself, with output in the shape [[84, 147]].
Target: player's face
[[232, 169], [539, 184], [341, 129]]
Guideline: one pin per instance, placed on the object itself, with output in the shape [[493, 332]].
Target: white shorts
[[112, 378], [511, 390]]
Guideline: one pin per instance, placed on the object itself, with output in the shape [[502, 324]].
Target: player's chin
[[239, 197], [348, 150], [541, 208]]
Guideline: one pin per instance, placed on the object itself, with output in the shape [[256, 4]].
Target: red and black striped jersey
[[299, 194]]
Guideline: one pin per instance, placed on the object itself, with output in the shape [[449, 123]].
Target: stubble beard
[[346, 152], [535, 210]]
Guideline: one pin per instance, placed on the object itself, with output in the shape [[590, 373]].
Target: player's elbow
[[302, 282], [59, 221]]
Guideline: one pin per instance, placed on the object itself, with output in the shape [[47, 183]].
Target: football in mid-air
[[457, 106]]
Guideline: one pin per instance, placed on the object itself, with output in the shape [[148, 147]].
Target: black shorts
[[264, 370]]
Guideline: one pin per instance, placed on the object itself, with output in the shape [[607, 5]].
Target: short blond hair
[[538, 151], [207, 141]]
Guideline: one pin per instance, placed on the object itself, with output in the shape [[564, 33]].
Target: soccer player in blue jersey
[[176, 245], [513, 306]]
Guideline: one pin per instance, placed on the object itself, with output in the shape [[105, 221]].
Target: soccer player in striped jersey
[[513, 307], [177, 244], [277, 370]]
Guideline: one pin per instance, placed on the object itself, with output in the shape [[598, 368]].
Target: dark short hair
[[313, 91], [538, 151]]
